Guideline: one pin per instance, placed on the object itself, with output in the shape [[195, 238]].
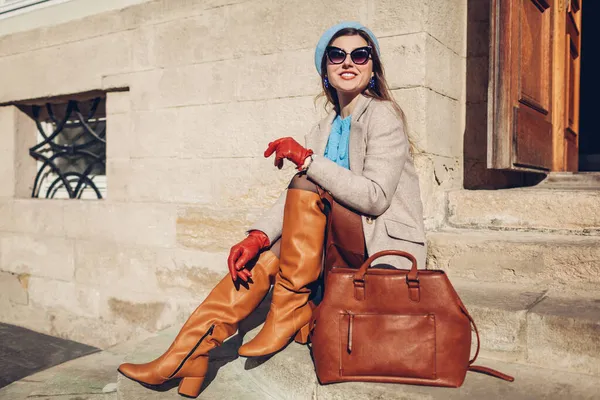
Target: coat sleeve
[[386, 152]]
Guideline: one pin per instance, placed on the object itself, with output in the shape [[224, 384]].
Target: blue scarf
[[338, 142]]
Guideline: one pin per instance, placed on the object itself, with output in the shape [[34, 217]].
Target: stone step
[[535, 208], [570, 262], [531, 325], [571, 180], [549, 343]]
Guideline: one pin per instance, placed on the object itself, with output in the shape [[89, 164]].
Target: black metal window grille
[[71, 149], [11, 6]]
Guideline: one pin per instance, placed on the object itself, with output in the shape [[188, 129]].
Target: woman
[[359, 154]]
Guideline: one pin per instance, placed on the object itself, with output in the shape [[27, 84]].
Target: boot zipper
[[208, 332]]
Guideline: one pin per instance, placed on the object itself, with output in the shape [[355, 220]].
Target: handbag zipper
[[350, 326]]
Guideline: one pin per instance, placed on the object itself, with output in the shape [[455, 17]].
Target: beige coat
[[382, 183]]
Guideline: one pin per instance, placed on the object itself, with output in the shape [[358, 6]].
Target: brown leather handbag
[[393, 325]]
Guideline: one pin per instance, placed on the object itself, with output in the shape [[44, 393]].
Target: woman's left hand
[[288, 148]]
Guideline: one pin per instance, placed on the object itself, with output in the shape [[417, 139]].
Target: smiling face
[[349, 78]]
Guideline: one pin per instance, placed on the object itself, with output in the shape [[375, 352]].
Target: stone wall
[[209, 84]]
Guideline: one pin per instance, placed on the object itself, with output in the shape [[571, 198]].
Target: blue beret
[[326, 37]]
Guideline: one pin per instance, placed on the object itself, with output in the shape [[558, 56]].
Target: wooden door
[[567, 77], [533, 92], [520, 88]]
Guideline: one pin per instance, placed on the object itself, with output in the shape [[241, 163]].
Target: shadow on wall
[[476, 173]]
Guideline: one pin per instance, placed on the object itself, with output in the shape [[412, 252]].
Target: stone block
[[563, 333], [160, 11], [237, 130], [395, 18], [115, 266], [142, 47], [25, 166], [38, 256], [145, 314], [8, 130], [277, 75], [559, 261], [77, 300], [48, 36], [211, 230], [436, 175], [500, 312], [190, 274], [13, 288], [36, 216], [6, 215], [7, 171], [239, 182], [117, 178], [127, 223], [158, 133], [119, 143], [543, 209], [93, 331], [29, 316], [117, 103], [207, 83], [446, 22], [417, 59], [78, 71], [244, 30], [434, 121]]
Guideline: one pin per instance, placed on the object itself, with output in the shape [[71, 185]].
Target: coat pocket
[[402, 231]]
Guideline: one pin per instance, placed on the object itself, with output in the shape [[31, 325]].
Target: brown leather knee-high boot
[[300, 264], [215, 319]]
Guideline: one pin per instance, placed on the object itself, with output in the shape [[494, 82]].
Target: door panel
[[535, 55], [534, 134], [520, 97], [572, 62]]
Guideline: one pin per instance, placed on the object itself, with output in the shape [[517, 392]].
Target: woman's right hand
[[241, 253]]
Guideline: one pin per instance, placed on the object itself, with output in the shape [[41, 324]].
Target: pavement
[[24, 352]]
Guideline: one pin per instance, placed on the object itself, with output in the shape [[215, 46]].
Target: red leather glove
[[241, 253], [288, 148]]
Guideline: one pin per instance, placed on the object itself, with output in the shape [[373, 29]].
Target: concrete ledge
[[574, 211], [527, 258], [290, 374]]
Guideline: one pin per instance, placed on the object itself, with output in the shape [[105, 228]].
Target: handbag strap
[[479, 368]]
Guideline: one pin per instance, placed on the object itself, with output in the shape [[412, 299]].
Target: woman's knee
[[301, 181], [276, 248]]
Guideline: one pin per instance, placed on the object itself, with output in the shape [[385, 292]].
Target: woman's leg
[[213, 321], [300, 265]]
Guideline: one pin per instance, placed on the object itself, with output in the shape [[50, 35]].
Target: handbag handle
[[412, 278]]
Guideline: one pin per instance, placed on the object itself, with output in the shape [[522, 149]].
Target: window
[[11, 6], [71, 149]]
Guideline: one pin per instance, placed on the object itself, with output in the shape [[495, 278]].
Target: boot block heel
[[302, 335], [190, 387]]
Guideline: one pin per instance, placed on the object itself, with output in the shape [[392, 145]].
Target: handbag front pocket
[[392, 345]]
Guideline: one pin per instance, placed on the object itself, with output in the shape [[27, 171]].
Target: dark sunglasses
[[359, 56]]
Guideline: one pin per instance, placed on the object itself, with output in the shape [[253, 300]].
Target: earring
[[372, 83], [326, 82]]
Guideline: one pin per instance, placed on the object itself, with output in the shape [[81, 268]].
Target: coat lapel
[[317, 139], [358, 139]]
